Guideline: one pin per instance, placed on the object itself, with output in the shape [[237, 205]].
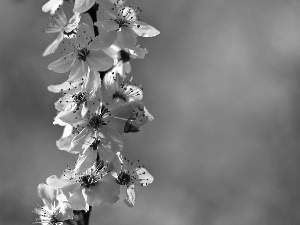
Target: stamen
[[82, 53], [45, 216], [91, 177]]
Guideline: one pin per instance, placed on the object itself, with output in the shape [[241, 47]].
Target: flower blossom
[[119, 93], [122, 57], [127, 25], [84, 54], [59, 24], [103, 125], [131, 176], [92, 187], [83, 99], [55, 211]]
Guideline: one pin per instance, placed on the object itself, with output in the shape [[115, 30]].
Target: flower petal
[[99, 61], [85, 161], [84, 35], [107, 15], [143, 29], [130, 196], [64, 64], [64, 211], [134, 93], [66, 87], [95, 104], [111, 139], [138, 52], [109, 86], [77, 200], [65, 103], [126, 37], [73, 22], [120, 115], [71, 117], [59, 122], [103, 40], [113, 51], [106, 190], [106, 154], [57, 22], [57, 183], [82, 6], [108, 25], [92, 84], [54, 45], [52, 6], [145, 177], [93, 89], [81, 141], [79, 70], [64, 143], [47, 194]]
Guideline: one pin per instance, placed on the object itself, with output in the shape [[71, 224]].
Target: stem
[[93, 14], [86, 216]]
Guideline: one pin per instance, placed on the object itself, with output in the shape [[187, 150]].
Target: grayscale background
[[222, 81]]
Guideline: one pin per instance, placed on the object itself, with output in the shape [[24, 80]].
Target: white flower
[[122, 57], [59, 24], [83, 54], [119, 92], [127, 25], [56, 210], [91, 187], [131, 176], [83, 99]]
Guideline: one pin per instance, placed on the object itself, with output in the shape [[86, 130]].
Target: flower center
[[126, 15], [79, 98], [95, 144], [120, 95], [124, 56], [123, 178], [122, 23], [96, 121], [88, 180], [82, 54]]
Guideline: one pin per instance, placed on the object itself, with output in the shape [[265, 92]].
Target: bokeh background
[[222, 81]]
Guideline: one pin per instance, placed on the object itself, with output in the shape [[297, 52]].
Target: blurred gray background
[[222, 81]]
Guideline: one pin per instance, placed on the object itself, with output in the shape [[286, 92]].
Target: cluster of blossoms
[[99, 103]]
